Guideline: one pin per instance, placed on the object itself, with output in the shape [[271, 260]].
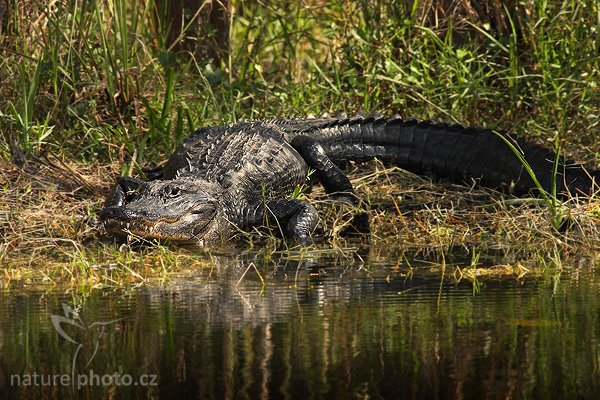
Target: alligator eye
[[172, 191]]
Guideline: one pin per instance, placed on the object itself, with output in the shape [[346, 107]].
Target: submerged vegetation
[[94, 89]]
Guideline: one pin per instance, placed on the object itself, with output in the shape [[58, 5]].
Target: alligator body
[[238, 176]]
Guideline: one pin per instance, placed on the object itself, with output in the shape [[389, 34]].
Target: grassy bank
[[94, 89]]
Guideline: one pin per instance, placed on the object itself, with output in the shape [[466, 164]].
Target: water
[[320, 327]]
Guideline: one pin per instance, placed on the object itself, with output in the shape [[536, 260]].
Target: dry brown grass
[[45, 212], [411, 212], [49, 235]]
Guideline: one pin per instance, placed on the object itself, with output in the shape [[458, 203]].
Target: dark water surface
[[316, 329]]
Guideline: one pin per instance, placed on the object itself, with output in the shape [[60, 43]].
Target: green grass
[[84, 68]]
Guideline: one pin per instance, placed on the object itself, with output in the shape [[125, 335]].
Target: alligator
[[222, 179]]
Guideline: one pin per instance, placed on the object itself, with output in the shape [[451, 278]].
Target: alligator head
[[182, 210]]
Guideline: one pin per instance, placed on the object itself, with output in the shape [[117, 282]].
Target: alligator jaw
[[123, 221]]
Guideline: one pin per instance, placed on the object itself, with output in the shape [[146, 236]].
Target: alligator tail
[[461, 154]]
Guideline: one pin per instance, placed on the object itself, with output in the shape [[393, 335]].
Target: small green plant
[[21, 112], [555, 206], [300, 191]]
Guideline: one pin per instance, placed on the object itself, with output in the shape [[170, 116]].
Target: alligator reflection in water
[[320, 331]]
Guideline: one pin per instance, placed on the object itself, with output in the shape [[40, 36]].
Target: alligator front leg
[[333, 179], [296, 219], [330, 175], [124, 187]]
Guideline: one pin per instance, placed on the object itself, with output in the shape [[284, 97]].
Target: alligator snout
[[124, 214], [118, 213]]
